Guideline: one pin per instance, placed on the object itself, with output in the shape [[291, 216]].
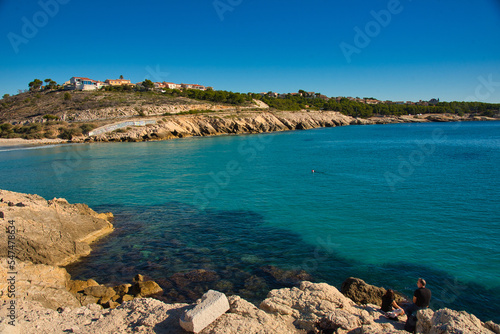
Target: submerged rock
[[287, 277]]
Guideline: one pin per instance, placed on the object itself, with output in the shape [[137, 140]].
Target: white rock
[[213, 304]]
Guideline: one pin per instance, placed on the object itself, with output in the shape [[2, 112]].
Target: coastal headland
[[54, 116], [37, 295], [155, 127]]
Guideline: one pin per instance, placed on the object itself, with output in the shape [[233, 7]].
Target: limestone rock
[[138, 278], [78, 285], [125, 298], [39, 282], [143, 315], [495, 328], [84, 299], [244, 317], [344, 320], [446, 321], [122, 289], [212, 305], [308, 303], [145, 289], [50, 232], [99, 291], [361, 292], [424, 320]]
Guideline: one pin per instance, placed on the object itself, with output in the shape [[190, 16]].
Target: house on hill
[[80, 83], [118, 82], [171, 85]]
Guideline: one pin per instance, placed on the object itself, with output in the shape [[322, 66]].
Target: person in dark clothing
[[421, 300], [390, 306]]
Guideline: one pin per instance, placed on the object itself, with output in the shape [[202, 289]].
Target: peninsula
[[121, 111]]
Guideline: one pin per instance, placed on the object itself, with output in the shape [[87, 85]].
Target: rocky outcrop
[[285, 311], [246, 121], [446, 321], [362, 293], [37, 282], [228, 123], [49, 232]]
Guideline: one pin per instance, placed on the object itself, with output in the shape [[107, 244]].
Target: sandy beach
[[19, 142]]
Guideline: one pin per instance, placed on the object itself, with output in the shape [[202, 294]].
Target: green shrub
[[49, 134], [50, 117], [70, 133], [86, 128], [67, 96]]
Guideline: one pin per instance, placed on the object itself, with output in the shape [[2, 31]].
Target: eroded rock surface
[[49, 232]]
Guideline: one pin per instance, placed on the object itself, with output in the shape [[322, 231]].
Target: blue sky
[[417, 49]]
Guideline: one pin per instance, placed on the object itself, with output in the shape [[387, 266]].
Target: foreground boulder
[[446, 321], [361, 292], [49, 232], [212, 305]]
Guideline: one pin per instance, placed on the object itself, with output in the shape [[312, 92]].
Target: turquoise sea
[[386, 203]]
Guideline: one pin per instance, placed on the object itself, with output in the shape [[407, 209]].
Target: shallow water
[[386, 203]]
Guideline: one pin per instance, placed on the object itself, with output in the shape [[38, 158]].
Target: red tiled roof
[[86, 79]]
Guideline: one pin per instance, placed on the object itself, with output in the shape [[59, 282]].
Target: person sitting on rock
[[421, 297], [421, 300], [389, 305]]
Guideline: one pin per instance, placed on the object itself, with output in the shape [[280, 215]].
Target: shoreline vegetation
[[52, 115], [41, 297]]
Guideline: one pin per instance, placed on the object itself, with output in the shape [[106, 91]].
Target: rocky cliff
[[248, 122]]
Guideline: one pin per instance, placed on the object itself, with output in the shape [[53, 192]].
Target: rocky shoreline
[[48, 234], [237, 122], [247, 122]]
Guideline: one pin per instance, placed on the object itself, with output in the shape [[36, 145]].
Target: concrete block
[[213, 304]]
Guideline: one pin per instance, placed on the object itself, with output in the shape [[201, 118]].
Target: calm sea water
[[387, 203]]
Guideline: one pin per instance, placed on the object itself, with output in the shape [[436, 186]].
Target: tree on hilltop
[[121, 77], [50, 84], [148, 84], [35, 84]]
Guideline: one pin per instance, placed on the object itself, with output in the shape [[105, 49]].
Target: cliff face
[[228, 123], [248, 122]]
